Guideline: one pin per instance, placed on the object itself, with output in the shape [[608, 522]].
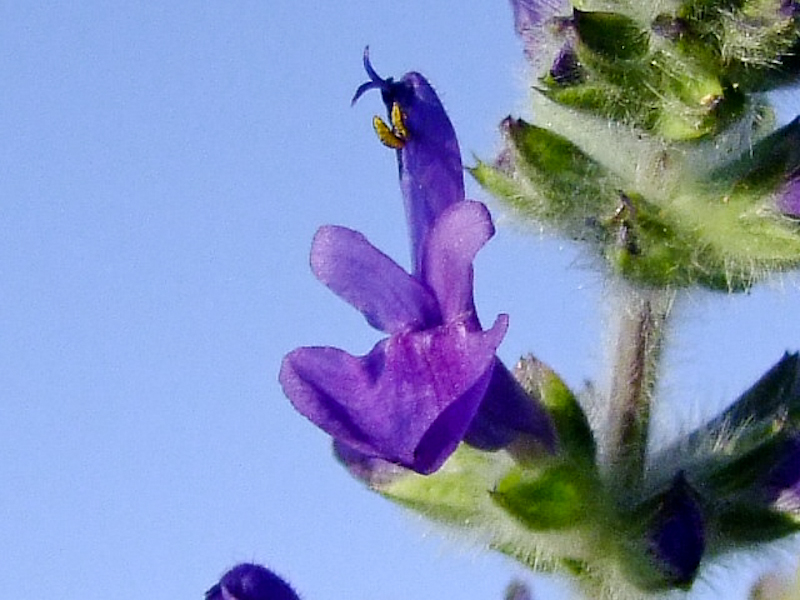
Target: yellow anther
[[386, 135], [398, 122]]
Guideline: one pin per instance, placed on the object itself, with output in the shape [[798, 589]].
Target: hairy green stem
[[642, 315]]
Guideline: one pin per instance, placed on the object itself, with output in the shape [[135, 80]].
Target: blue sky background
[[163, 168]]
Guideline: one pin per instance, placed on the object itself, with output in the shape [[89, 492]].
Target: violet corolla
[[435, 380], [677, 539], [248, 581]]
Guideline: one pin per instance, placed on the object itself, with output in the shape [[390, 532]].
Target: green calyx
[[720, 229], [625, 71], [750, 43], [681, 75], [552, 512], [715, 490], [557, 497], [576, 440]]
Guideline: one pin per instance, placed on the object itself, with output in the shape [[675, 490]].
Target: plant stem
[[642, 315]]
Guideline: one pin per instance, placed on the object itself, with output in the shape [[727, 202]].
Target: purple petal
[[507, 412], [677, 537], [374, 472], [453, 242], [789, 199], [409, 401], [251, 582], [431, 173], [517, 591], [390, 299], [531, 15]]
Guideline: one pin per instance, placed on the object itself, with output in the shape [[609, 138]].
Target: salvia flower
[[248, 581], [412, 399]]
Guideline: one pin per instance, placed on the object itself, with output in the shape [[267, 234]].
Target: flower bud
[[251, 582], [673, 539]]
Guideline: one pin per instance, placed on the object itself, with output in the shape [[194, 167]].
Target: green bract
[[695, 204]]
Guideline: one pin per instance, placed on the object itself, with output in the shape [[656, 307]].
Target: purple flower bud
[[517, 590], [251, 582], [669, 27], [782, 481], [789, 8], [677, 534], [789, 196], [566, 68]]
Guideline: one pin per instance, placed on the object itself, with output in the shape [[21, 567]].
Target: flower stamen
[[395, 136]]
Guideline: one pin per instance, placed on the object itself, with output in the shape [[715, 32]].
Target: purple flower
[[413, 398], [251, 582], [677, 534]]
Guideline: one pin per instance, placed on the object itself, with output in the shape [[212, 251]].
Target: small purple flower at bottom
[[517, 590], [251, 582]]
